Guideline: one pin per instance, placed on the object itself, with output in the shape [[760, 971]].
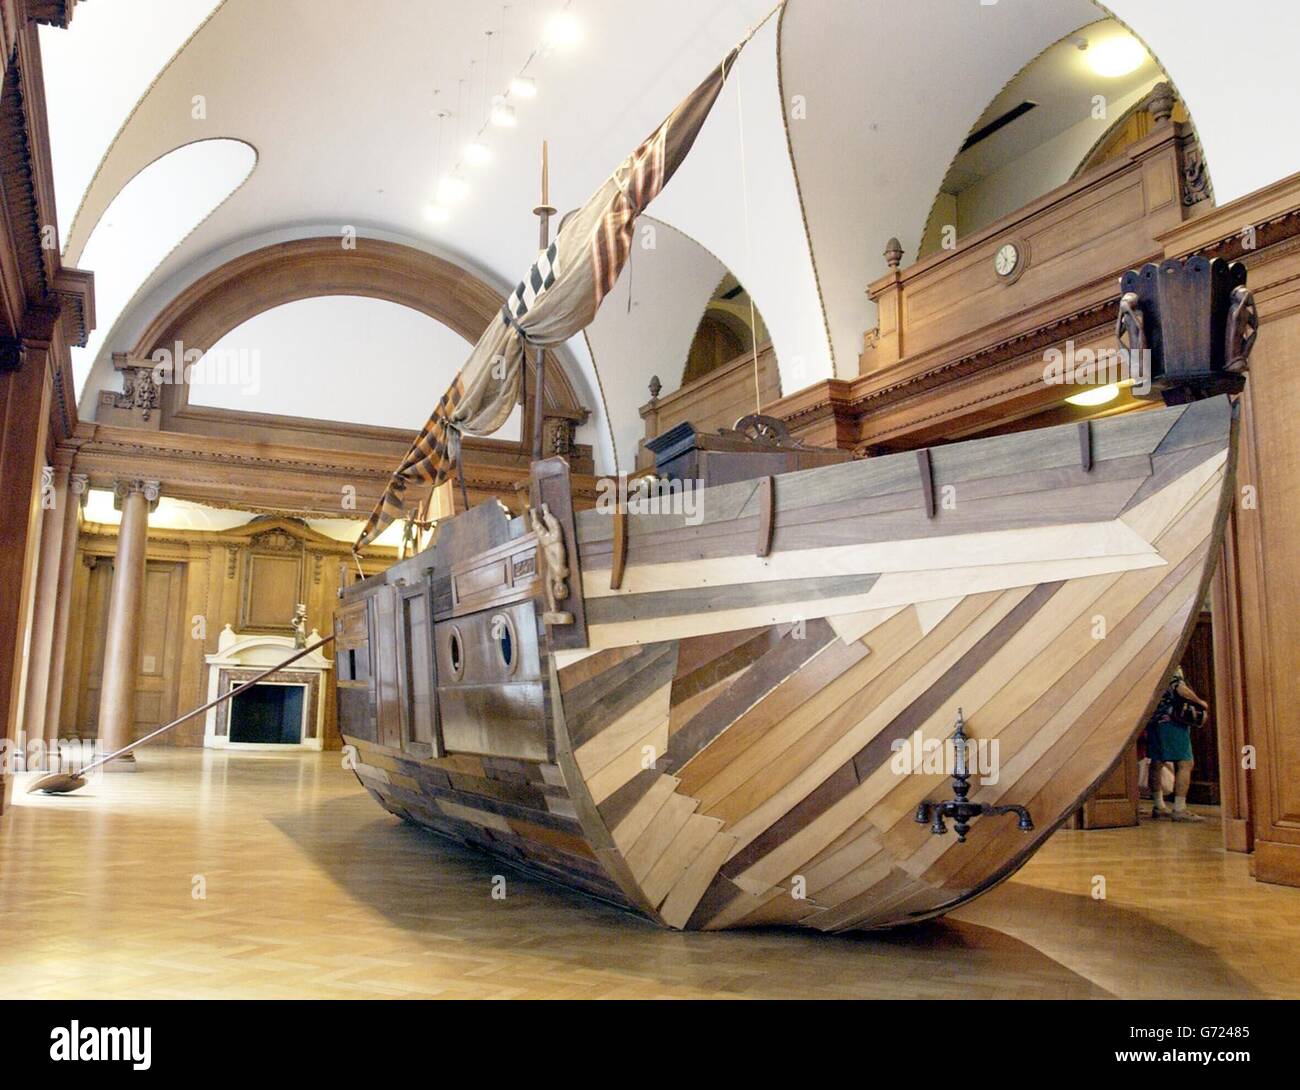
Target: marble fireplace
[[284, 711]]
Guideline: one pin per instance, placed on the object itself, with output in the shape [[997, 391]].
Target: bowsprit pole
[[60, 783]]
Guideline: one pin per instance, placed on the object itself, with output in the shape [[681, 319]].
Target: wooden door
[[162, 628], [1114, 805]]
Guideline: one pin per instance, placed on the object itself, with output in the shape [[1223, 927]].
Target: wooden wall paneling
[[1270, 572], [716, 400], [1230, 694], [1105, 221], [211, 586], [192, 672]]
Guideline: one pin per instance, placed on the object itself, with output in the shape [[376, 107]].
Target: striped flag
[[558, 298]]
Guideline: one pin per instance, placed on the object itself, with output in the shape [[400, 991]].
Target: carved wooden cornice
[[99, 539], [281, 479], [56, 13], [35, 289], [23, 218], [1269, 217]]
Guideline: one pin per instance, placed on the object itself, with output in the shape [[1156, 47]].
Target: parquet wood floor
[[311, 891]]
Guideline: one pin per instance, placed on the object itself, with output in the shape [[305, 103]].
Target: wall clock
[[1007, 259]]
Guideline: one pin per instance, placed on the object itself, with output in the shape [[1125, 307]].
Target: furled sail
[[556, 299]]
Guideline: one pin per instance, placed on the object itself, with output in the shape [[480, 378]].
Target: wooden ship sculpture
[[721, 717]]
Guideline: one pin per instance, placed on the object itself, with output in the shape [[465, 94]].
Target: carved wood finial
[[893, 253], [1160, 103]]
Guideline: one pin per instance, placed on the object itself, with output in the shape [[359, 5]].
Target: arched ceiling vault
[[797, 204]]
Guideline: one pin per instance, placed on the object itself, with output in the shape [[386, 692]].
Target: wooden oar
[[59, 783]]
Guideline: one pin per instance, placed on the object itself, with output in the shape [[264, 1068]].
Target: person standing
[[1169, 740]]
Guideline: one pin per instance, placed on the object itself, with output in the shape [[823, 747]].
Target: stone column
[[135, 499], [54, 500], [78, 486]]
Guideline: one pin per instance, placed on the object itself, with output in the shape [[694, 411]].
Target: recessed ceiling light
[[503, 114], [437, 213], [523, 87], [451, 189], [1101, 395], [563, 29], [1117, 56], [477, 153]]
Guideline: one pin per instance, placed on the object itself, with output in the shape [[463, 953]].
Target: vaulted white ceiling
[[339, 103]]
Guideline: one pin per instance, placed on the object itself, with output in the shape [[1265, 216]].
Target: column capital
[[151, 490], [79, 486]]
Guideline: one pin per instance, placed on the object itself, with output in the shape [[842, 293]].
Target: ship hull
[[763, 685]]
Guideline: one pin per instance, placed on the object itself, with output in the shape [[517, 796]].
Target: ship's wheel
[[764, 429]]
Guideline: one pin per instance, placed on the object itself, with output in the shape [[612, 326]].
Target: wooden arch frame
[[286, 272]]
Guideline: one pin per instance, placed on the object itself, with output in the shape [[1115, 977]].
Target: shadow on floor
[[436, 891]]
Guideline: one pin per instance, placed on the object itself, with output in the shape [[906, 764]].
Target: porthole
[[456, 653], [507, 643]]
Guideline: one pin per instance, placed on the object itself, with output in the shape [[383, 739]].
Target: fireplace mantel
[[241, 657]]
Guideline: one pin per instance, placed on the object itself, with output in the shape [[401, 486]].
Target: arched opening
[[1078, 104], [729, 327]]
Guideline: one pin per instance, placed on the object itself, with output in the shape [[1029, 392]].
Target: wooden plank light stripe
[[766, 509], [619, 561]]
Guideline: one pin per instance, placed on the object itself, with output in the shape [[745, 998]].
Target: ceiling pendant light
[[562, 29], [1117, 56], [523, 87], [503, 114], [477, 153]]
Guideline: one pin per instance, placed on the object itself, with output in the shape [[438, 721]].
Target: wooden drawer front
[[356, 712], [385, 654], [351, 628], [485, 706], [504, 574]]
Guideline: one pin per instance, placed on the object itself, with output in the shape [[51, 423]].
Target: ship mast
[[544, 211]]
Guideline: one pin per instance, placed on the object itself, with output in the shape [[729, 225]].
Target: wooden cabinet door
[[420, 734], [385, 651], [353, 678]]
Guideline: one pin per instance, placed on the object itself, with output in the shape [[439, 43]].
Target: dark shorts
[[1169, 742]]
